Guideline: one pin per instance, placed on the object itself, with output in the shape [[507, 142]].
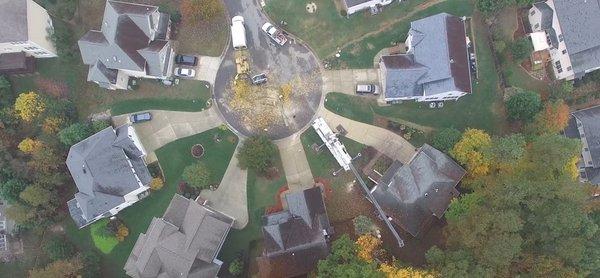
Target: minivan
[[367, 89]]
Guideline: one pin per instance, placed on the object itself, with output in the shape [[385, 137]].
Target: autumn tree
[[52, 125], [36, 195], [61, 268], [194, 10], [392, 271], [197, 175], [553, 119], [156, 184], [367, 244], [471, 151], [29, 106], [30, 146], [122, 232], [343, 261]]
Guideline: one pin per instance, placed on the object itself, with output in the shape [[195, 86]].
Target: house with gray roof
[[110, 173], [573, 37], [413, 195], [133, 41], [184, 242], [435, 66], [585, 126], [297, 238], [25, 30], [354, 6]]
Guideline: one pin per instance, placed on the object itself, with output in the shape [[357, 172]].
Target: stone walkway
[[345, 81], [295, 164], [168, 126], [231, 198]]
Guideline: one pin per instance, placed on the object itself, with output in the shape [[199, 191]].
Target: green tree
[[36, 195], [74, 133], [456, 264], [59, 248], [492, 7], [64, 41], [236, 267], [197, 175], [507, 150], [97, 126], [463, 206], [344, 262], [257, 153], [363, 225], [11, 189], [521, 49], [523, 105], [446, 138]]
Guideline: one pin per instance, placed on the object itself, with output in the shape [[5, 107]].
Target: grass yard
[[482, 109], [261, 194], [173, 157], [326, 30]]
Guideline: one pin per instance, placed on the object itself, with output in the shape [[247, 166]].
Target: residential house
[[133, 41], [436, 64], [110, 173], [354, 6], [413, 195], [297, 238], [183, 243], [572, 34], [585, 125]]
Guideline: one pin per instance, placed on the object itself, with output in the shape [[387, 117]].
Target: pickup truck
[[274, 33]]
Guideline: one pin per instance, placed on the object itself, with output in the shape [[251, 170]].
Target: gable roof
[[13, 21], [437, 61], [105, 167], [183, 243], [413, 193], [294, 239], [588, 121], [352, 3]]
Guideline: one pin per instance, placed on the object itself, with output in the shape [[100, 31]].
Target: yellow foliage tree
[[52, 125], [30, 146], [391, 271], [29, 106], [156, 184], [470, 151], [571, 167], [122, 232], [367, 244]]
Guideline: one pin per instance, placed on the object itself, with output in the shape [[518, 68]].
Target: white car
[[183, 72]]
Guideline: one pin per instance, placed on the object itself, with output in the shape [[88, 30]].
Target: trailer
[[275, 34]]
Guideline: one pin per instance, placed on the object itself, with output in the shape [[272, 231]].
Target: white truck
[[238, 33], [274, 33]]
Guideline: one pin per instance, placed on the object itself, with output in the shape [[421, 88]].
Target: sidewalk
[[295, 164]]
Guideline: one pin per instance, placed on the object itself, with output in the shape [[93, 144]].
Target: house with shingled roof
[[133, 41], [110, 174], [585, 125], [184, 242], [572, 34], [297, 238], [436, 64]]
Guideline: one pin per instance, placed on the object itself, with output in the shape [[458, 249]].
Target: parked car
[[187, 60], [183, 72], [275, 34], [367, 89], [140, 117], [259, 79]]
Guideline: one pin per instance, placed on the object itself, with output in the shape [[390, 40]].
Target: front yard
[[173, 157]]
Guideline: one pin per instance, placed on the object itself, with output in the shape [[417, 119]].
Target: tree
[[52, 125], [11, 189], [363, 225], [74, 133], [59, 248], [558, 153], [257, 153], [156, 184], [64, 41], [561, 90], [99, 125], [29, 106], [20, 213], [507, 150], [367, 244], [36, 195], [446, 138], [392, 271], [236, 267], [197, 175], [30, 146], [61, 268], [344, 262], [521, 49], [471, 151], [491, 7], [194, 10], [463, 206], [553, 119], [523, 105], [456, 264]]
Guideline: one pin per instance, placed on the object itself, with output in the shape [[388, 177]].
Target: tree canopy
[[445, 139], [29, 106], [471, 151], [257, 153], [523, 105], [197, 175]]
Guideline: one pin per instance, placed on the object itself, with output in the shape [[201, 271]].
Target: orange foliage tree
[[553, 119], [367, 244]]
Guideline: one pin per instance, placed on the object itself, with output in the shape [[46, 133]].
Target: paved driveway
[[385, 141], [295, 164], [230, 197], [207, 68], [168, 126], [344, 81]]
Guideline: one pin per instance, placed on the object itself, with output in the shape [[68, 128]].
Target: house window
[[537, 25], [532, 12], [564, 51], [561, 38], [559, 70], [40, 53], [31, 48], [569, 68]]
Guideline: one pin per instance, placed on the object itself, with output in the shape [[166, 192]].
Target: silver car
[[140, 117]]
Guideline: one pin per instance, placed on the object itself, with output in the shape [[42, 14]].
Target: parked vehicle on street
[[140, 117], [275, 34], [187, 60], [238, 33], [183, 72], [367, 89], [259, 79]]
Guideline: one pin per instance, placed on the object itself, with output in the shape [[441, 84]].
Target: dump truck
[[275, 34]]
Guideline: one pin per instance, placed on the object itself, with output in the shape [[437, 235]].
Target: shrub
[[236, 267], [156, 184], [363, 225], [74, 133], [446, 138], [257, 153], [122, 232], [197, 175]]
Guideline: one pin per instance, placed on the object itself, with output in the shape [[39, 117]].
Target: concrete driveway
[[207, 68], [383, 140], [230, 197], [295, 164], [345, 81], [168, 126]]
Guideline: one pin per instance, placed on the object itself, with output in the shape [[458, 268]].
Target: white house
[[353, 6], [572, 34], [25, 27], [110, 173]]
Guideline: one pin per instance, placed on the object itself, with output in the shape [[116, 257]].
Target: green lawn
[[326, 29], [103, 243], [478, 110], [173, 157]]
